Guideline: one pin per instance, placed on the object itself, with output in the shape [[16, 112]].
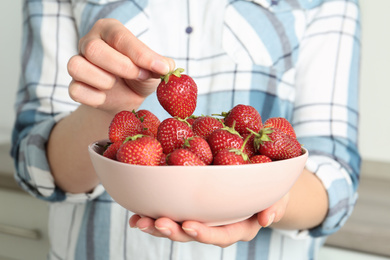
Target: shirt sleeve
[[326, 113], [49, 40]]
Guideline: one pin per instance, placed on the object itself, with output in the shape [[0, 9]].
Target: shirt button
[[189, 29]]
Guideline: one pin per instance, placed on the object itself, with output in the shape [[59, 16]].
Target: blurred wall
[[375, 86], [10, 42]]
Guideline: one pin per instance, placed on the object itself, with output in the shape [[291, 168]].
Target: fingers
[[86, 94], [274, 213], [89, 82], [83, 71], [222, 236], [162, 227], [114, 69], [112, 47]]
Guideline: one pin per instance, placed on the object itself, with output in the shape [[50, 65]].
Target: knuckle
[[117, 37], [103, 24], [100, 23], [91, 48], [108, 82], [141, 57], [129, 70]]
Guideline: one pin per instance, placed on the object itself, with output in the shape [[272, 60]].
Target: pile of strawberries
[[230, 138]]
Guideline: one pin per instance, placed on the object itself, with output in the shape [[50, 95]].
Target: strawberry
[[112, 149], [124, 124], [140, 150], [171, 134], [230, 157], [260, 159], [233, 156], [177, 94], [223, 138], [163, 160], [249, 147], [150, 122], [200, 148], [203, 126], [191, 119], [277, 145], [243, 117], [184, 157], [280, 123]]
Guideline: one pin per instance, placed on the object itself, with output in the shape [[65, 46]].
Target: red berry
[[140, 150], [163, 160], [190, 120], [124, 124], [183, 157], [203, 126], [224, 138], [277, 145], [260, 159], [112, 149], [249, 147], [230, 157], [243, 117], [177, 94], [171, 134], [200, 148], [150, 122], [280, 123]]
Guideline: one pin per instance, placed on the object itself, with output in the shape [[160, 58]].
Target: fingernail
[[143, 74], [164, 231], [190, 232], [146, 230], [270, 220], [160, 67]]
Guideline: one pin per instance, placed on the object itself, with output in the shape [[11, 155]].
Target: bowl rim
[[100, 143]]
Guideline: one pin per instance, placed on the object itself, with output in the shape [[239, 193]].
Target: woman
[[297, 59]]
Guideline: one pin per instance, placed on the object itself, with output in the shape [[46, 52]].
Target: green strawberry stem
[[177, 72], [191, 117], [187, 141], [231, 129], [132, 138], [241, 151], [262, 136], [223, 114], [245, 141], [183, 120], [142, 118]]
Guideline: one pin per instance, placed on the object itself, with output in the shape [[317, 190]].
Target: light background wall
[[375, 86]]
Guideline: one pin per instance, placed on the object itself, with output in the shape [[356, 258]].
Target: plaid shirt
[[297, 59]]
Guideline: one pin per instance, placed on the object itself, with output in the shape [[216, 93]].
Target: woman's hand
[[114, 70], [222, 236]]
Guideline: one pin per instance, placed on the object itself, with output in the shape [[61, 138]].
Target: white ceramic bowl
[[214, 195]]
